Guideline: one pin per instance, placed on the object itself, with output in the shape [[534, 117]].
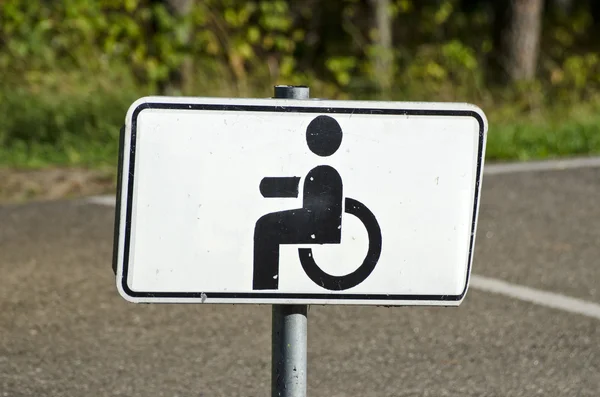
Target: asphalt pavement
[[65, 331]]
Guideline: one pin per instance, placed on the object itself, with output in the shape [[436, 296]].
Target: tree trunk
[[181, 78], [517, 38], [383, 58], [179, 7]]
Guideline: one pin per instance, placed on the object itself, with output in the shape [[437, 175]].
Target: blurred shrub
[[443, 71], [69, 69], [90, 36], [440, 46], [59, 118], [554, 138], [576, 78]]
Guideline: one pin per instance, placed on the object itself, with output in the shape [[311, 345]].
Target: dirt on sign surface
[[52, 184]]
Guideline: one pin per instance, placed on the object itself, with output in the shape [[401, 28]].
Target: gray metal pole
[[289, 322], [288, 351]]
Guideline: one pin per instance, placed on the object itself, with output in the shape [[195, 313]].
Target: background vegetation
[[70, 69]]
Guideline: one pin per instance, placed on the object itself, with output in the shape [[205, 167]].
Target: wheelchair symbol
[[319, 221]]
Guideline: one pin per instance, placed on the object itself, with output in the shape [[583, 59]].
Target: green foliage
[[75, 122], [443, 71], [69, 69], [527, 140], [88, 35], [577, 78], [342, 68], [440, 44]]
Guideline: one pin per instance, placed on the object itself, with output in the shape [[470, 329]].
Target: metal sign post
[[290, 202], [289, 324]]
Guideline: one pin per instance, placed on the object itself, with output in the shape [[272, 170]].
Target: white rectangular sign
[[298, 201]]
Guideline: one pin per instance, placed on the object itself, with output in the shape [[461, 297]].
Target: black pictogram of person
[[319, 221]]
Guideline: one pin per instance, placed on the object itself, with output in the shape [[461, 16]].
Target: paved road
[[64, 331]]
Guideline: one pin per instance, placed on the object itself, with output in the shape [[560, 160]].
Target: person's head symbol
[[324, 136]]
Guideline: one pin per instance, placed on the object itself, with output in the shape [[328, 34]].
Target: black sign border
[[275, 295]]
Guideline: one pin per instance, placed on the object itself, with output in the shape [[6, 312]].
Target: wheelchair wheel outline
[[340, 283]]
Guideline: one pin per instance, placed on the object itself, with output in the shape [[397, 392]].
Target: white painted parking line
[[102, 200], [549, 165], [539, 297]]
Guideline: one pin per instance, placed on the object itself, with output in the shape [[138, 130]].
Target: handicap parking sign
[[298, 201], [319, 221]]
